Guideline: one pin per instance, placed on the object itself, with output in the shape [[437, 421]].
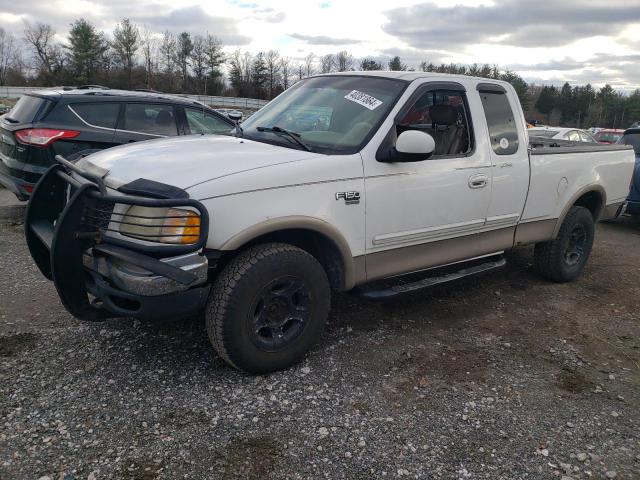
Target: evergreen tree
[[395, 64], [126, 41], [370, 64], [86, 50], [259, 75], [547, 101]]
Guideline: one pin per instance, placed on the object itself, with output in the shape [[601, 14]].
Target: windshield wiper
[[292, 135]]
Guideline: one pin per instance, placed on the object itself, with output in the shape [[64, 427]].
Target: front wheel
[[268, 307], [563, 259]]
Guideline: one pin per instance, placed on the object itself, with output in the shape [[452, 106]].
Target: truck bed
[[561, 170], [548, 146]]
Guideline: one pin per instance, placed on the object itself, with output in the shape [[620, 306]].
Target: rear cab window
[[503, 130], [150, 119], [101, 115], [28, 109]]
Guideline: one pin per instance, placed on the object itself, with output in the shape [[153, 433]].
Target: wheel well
[[592, 201], [320, 246]]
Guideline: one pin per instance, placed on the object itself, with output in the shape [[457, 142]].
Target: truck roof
[[411, 76]]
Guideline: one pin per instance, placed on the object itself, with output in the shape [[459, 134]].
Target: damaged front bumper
[[99, 274]]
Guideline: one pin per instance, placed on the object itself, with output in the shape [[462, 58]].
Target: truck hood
[[186, 161]]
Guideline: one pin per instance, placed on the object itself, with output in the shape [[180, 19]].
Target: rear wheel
[[268, 307], [564, 258]]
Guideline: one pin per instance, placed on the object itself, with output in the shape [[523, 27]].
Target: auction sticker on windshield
[[363, 99]]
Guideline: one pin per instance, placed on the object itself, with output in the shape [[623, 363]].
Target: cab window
[[503, 131], [202, 122], [443, 114]]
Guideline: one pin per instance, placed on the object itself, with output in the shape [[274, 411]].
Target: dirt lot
[[505, 377]]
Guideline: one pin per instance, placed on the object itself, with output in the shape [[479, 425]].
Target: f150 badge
[[350, 198]]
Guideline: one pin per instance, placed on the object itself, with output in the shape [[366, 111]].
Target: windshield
[[543, 133], [333, 114]]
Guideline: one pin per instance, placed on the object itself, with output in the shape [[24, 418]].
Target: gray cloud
[[195, 20], [413, 57], [268, 14], [544, 23], [191, 19], [323, 40]]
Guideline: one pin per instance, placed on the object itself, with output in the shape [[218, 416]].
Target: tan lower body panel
[[533, 232], [433, 254]]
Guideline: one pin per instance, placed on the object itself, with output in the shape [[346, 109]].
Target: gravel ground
[[505, 377]]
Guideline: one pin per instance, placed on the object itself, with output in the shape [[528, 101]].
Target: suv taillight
[[41, 137]]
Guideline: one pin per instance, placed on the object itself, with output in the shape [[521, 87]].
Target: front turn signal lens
[[183, 225]]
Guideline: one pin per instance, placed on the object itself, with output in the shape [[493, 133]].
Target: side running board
[[375, 291]]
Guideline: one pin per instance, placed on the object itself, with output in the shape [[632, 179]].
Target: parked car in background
[[46, 123], [608, 136], [632, 137], [227, 111], [558, 133]]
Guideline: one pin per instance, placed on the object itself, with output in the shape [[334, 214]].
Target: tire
[[564, 258], [268, 307]]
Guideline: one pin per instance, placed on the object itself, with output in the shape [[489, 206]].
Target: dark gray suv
[[69, 122]]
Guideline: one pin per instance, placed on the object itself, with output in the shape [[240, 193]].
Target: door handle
[[478, 181]]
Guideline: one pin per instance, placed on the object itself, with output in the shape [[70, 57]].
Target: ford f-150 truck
[[351, 182]]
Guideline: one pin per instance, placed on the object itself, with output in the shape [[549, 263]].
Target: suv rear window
[[26, 109], [103, 115], [150, 119]]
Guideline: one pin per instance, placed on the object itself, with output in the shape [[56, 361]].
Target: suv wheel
[[268, 307], [563, 259]]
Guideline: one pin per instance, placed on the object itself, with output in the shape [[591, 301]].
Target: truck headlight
[[163, 225]]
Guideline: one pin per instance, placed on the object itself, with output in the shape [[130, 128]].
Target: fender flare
[[353, 271], [594, 187]]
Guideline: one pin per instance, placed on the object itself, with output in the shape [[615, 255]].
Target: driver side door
[[430, 212]]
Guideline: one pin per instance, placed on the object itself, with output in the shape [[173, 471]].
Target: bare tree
[[199, 60], [149, 45], [344, 61], [48, 57], [308, 64], [9, 54], [126, 42], [327, 63], [300, 71], [168, 53], [272, 62], [287, 72]]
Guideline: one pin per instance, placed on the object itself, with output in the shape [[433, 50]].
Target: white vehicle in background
[[560, 133], [344, 181]]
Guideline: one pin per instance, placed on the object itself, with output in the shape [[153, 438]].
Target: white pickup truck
[[346, 182]]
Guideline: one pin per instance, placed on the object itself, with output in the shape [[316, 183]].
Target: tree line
[[136, 57]]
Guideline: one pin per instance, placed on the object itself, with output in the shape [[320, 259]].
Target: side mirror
[[235, 115], [413, 146]]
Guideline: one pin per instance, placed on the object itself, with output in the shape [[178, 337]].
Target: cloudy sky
[[596, 41]]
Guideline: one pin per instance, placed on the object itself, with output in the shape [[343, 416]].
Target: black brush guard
[[63, 223]]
